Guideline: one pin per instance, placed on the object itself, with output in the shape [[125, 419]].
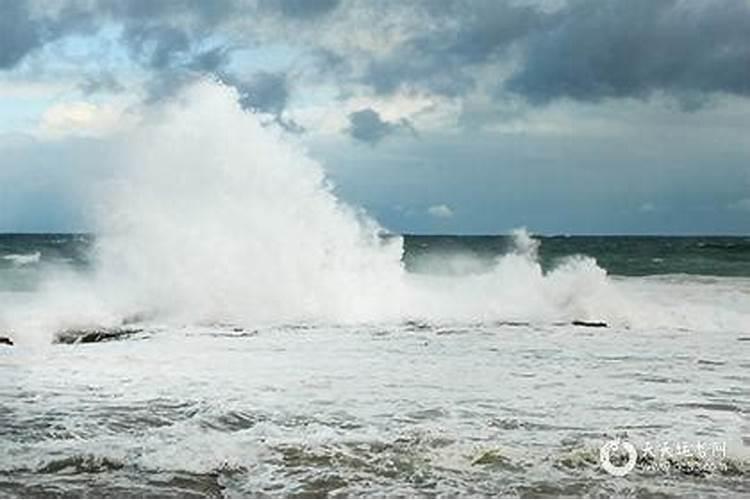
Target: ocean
[[234, 328], [465, 399]]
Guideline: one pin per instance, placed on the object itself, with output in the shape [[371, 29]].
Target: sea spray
[[236, 223], [216, 216], [516, 288], [23, 259]]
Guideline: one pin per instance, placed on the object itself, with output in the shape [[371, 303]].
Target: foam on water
[[470, 382], [217, 216], [23, 259]]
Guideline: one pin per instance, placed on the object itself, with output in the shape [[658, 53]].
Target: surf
[[206, 224], [23, 259]]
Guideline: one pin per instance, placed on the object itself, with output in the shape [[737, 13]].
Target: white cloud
[[81, 118], [440, 211], [330, 117], [31, 89]]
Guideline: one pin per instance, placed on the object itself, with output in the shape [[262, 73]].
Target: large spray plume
[[216, 216]]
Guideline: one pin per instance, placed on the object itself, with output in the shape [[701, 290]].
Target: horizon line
[[450, 235]]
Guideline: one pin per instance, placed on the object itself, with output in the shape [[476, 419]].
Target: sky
[[436, 116]]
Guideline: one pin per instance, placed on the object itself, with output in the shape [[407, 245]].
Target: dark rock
[[416, 326], [81, 464], [513, 323], [240, 334], [6, 341], [592, 324], [90, 335]]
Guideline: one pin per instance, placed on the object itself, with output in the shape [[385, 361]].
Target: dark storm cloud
[[157, 46], [19, 34], [203, 12], [158, 34], [603, 49], [264, 92], [208, 13], [149, 32], [210, 60], [441, 59], [169, 79], [168, 37], [101, 82], [302, 9], [367, 126], [585, 50], [22, 32]]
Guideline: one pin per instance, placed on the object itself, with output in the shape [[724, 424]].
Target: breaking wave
[[217, 216], [23, 259]]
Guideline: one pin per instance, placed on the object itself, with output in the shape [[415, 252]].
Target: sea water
[[282, 343]]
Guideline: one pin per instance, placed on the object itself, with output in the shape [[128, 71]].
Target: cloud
[[170, 39], [23, 30], [582, 50], [206, 13], [210, 60], [460, 37], [103, 81], [366, 125], [303, 8], [82, 119], [742, 205], [157, 46], [503, 55], [440, 211], [20, 34], [265, 92], [613, 49]]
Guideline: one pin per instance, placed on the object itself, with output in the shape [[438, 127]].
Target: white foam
[[217, 216], [23, 259]]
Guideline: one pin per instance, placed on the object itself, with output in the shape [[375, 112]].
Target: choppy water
[[282, 346], [619, 255], [421, 407], [21, 255]]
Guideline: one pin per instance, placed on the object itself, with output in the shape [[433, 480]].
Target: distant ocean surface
[[473, 380], [618, 255], [22, 254]]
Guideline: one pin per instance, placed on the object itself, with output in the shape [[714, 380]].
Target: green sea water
[[618, 255]]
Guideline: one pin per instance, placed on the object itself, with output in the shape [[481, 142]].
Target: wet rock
[[81, 464], [514, 323], [90, 335], [416, 326], [494, 459], [5, 340], [591, 324]]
